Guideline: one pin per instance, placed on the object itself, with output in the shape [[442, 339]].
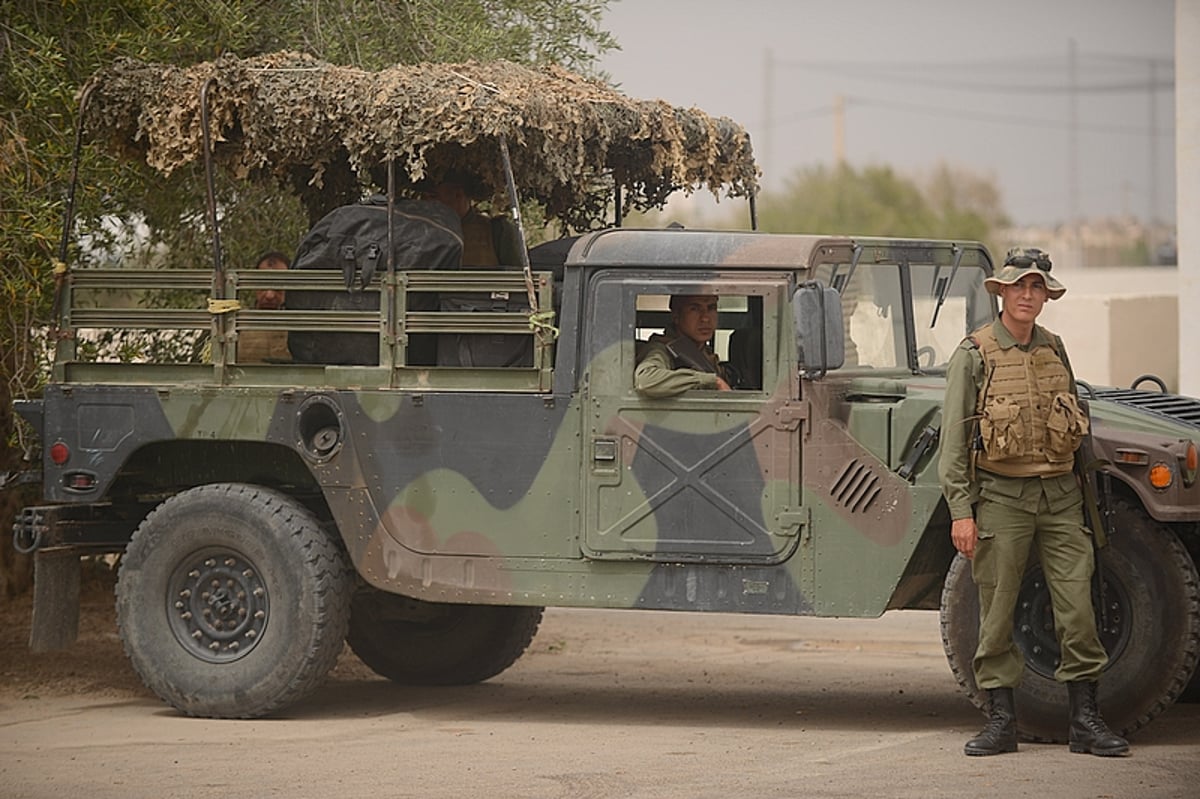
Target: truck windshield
[[877, 314]]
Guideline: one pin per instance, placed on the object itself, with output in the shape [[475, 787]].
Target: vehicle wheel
[[427, 643], [1191, 694], [1150, 627], [232, 602]]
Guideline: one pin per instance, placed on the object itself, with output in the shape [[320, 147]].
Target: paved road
[[606, 704]]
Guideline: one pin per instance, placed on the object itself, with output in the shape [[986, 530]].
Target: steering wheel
[[929, 351]]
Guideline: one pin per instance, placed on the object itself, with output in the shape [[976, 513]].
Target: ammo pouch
[[1001, 429], [1066, 427]]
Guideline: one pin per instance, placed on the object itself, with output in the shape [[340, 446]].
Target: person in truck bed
[[488, 241], [266, 346]]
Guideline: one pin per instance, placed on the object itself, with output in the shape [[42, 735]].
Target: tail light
[[60, 453]]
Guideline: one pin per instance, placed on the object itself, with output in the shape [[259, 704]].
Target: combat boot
[[1089, 733], [999, 735]]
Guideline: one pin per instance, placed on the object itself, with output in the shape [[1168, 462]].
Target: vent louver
[[856, 487]]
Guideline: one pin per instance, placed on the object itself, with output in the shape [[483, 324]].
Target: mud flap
[[55, 623]]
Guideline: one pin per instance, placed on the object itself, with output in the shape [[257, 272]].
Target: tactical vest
[[479, 243], [1029, 420]]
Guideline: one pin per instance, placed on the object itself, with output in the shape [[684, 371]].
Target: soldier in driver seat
[[681, 357]]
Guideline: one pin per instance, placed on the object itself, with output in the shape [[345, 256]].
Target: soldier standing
[[1011, 425]]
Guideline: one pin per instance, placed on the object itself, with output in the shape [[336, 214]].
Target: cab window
[[737, 336]]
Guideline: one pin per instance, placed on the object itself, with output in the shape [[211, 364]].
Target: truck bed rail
[[105, 304]]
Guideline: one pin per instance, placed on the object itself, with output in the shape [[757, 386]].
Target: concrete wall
[[1112, 340], [1120, 323]]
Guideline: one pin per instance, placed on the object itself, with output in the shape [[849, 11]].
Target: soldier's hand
[[722, 385], [964, 535]]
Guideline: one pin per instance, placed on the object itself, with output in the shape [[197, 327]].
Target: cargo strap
[[540, 322]]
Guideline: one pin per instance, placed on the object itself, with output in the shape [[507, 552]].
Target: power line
[[909, 73], [799, 116], [1076, 76], [1007, 63], [889, 75], [948, 112]]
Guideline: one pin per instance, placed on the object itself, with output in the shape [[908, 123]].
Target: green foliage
[[1135, 253], [876, 201], [525, 31]]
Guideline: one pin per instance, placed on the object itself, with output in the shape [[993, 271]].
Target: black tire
[[1151, 629], [272, 628], [1191, 694], [426, 643]]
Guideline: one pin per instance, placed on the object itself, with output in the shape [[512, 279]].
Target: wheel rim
[[218, 605], [1033, 624]]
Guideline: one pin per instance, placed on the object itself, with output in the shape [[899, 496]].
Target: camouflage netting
[[291, 117]]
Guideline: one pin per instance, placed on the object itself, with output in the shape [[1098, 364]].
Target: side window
[[728, 336], [873, 314]]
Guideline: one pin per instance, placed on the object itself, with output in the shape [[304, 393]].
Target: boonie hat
[[1019, 262]]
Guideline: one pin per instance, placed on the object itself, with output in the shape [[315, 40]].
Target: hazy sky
[[979, 85]]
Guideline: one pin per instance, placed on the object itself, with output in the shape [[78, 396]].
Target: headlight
[[1189, 463]]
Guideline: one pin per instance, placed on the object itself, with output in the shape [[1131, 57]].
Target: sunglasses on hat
[[1023, 259]]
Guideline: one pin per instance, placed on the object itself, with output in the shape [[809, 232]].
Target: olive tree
[[875, 200]]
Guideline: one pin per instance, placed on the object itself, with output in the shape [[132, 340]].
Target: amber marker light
[[1133, 457], [1190, 463], [1160, 475]]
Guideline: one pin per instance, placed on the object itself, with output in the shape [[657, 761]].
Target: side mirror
[[820, 334]]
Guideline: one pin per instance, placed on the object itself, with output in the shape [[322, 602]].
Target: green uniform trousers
[[1006, 535]]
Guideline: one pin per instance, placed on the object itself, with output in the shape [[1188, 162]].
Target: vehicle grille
[[1172, 406]]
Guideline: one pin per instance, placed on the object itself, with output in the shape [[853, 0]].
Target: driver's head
[[695, 316]]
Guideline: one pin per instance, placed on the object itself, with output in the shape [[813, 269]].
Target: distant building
[[1108, 241]]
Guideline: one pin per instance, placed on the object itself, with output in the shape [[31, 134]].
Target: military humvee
[[426, 514]]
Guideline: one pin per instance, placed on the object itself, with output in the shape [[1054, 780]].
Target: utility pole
[[766, 162], [1073, 153], [839, 130], [1153, 182]]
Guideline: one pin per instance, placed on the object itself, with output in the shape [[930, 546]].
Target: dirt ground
[[605, 704]]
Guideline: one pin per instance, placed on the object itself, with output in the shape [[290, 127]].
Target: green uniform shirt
[[654, 376], [964, 381]]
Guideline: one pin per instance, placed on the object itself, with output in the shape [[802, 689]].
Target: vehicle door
[[704, 476]]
